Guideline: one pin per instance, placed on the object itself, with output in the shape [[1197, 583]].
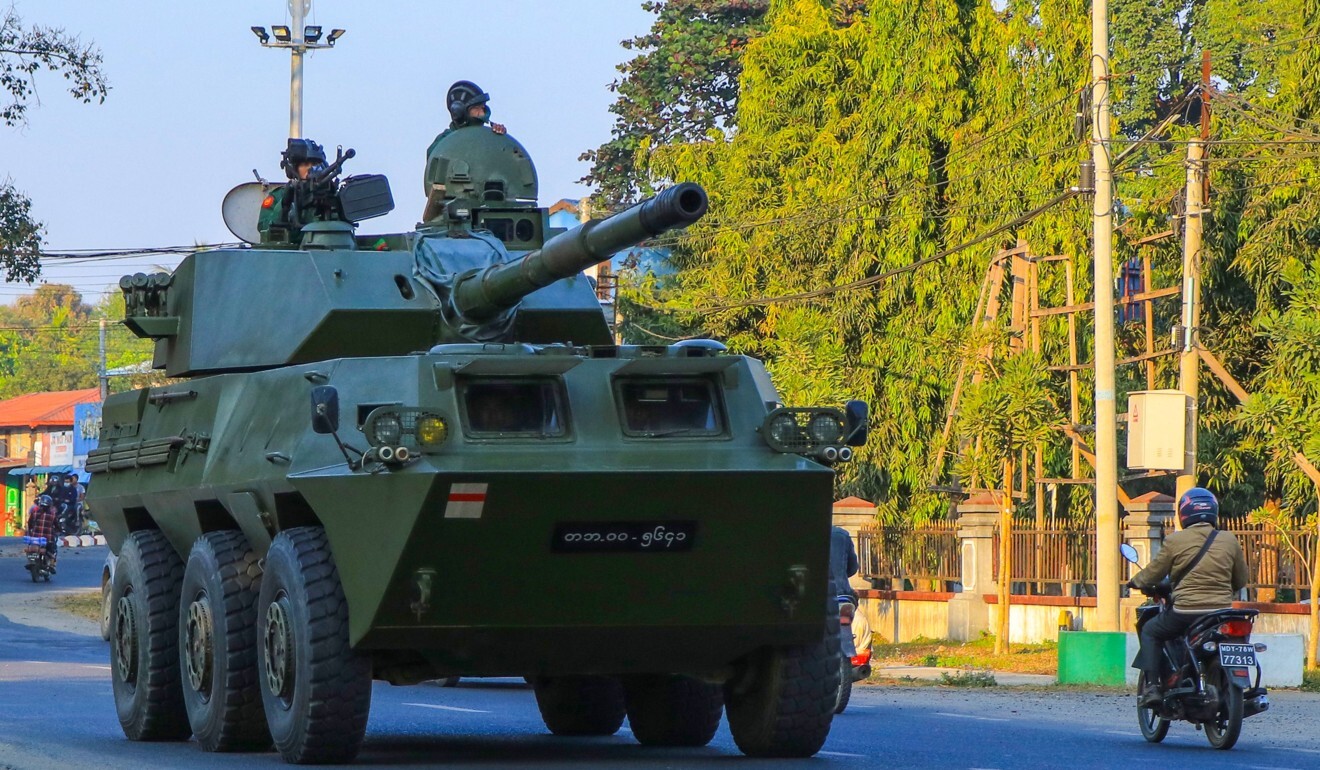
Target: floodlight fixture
[[311, 34], [334, 35], [282, 33], [261, 34]]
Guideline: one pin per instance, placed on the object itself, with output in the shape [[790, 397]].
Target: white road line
[[1124, 732], [969, 716], [841, 754], [1271, 767], [88, 665], [447, 708]]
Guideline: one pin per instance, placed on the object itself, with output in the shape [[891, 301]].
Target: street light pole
[[299, 39]]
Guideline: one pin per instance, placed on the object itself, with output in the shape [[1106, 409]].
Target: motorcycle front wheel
[[1153, 727], [1224, 729]]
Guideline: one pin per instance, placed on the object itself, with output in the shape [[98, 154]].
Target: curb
[[81, 541]]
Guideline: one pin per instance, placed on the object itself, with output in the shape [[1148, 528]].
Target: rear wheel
[[1224, 729], [315, 689], [580, 705], [144, 647], [845, 684], [667, 710], [218, 644], [782, 701], [1153, 728]]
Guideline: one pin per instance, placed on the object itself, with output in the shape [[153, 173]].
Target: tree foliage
[[861, 148], [25, 52]]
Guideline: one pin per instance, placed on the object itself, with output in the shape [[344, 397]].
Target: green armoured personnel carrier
[[413, 456]]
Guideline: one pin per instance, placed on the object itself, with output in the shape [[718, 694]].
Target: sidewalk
[[934, 673]]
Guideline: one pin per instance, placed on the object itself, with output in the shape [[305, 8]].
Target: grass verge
[[977, 654], [1311, 680], [84, 604]]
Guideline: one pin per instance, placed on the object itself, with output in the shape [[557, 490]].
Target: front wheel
[[1224, 729], [1153, 727], [315, 689], [781, 703]]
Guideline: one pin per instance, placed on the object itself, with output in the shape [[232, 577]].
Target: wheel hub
[[277, 649], [126, 639], [199, 639]]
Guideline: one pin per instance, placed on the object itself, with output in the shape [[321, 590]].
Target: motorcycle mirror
[[1128, 552]]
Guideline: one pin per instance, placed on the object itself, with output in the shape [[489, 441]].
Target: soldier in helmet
[[301, 160], [468, 106]]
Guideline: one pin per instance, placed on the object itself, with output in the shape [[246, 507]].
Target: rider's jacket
[[1221, 573]]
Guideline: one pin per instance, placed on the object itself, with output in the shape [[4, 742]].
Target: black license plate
[[1237, 654], [624, 536]]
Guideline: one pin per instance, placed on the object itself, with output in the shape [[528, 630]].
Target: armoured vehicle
[[412, 456]]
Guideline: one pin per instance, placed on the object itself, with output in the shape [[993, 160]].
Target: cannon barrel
[[485, 294]]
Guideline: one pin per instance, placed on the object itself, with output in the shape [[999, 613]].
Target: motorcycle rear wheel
[[1224, 729], [1153, 727]]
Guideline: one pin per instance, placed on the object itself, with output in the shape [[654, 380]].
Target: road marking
[[101, 668], [1271, 767], [841, 754], [969, 716], [1124, 732], [447, 708], [1304, 751]]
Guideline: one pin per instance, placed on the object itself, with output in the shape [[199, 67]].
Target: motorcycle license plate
[[1237, 654]]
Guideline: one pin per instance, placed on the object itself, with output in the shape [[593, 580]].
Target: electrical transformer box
[[1157, 430]]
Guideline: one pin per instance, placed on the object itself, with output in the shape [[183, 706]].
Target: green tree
[[24, 52]]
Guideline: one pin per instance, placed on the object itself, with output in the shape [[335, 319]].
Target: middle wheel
[[218, 644], [669, 710], [580, 705]]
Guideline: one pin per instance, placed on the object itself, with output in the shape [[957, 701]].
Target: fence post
[[969, 613], [853, 513], [1143, 529]]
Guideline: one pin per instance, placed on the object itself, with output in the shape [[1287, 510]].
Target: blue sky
[[196, 104]]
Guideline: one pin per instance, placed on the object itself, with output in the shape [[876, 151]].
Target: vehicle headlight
[[784, 429], [386, 430], [825, 428], [431, 430]]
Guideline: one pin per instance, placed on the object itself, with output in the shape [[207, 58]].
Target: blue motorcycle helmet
[[1198, 506]]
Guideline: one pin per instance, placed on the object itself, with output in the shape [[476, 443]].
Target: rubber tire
[[580, 705], [845, 685], [107, 603], [1153, 728], [672, 710], [33, 570], [224, 567], [1231, 708], [783, 702], [325, 719], [150, 574]]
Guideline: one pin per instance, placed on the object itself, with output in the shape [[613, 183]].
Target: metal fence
[[913, 558], [1058, 560]]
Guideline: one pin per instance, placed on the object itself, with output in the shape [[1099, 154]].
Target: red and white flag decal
[[465, 501]]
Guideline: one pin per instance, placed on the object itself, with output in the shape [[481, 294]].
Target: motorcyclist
[[843, 563], [1200, 585], [42, 521]]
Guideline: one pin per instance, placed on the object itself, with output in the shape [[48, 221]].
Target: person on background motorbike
[[1199, 587], [66, 504], [843, 563], [42, 521]]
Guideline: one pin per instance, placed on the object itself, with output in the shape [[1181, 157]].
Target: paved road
[[56, 711]]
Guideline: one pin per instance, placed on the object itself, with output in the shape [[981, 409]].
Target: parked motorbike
[[855, 650], [1208, 672], [38, 559]]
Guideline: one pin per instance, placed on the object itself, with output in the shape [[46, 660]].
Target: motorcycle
[[38, 559], [855, 650], [1211, 684]]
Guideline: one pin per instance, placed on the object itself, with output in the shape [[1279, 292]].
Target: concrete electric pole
[[298, 39], [1188, 360], [1106, 439]]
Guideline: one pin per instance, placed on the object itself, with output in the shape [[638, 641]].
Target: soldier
[[468, 106], [300, 161]]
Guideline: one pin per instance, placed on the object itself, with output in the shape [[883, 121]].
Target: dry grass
[[84, 604], [979, 654]]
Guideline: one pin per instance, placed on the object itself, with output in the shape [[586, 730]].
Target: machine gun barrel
[[485, 294], [334, 168]]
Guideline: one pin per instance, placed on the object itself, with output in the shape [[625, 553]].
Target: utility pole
[[1198, 185], [299, 39], [1106, 439], [102, 375], [1188, 360]]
